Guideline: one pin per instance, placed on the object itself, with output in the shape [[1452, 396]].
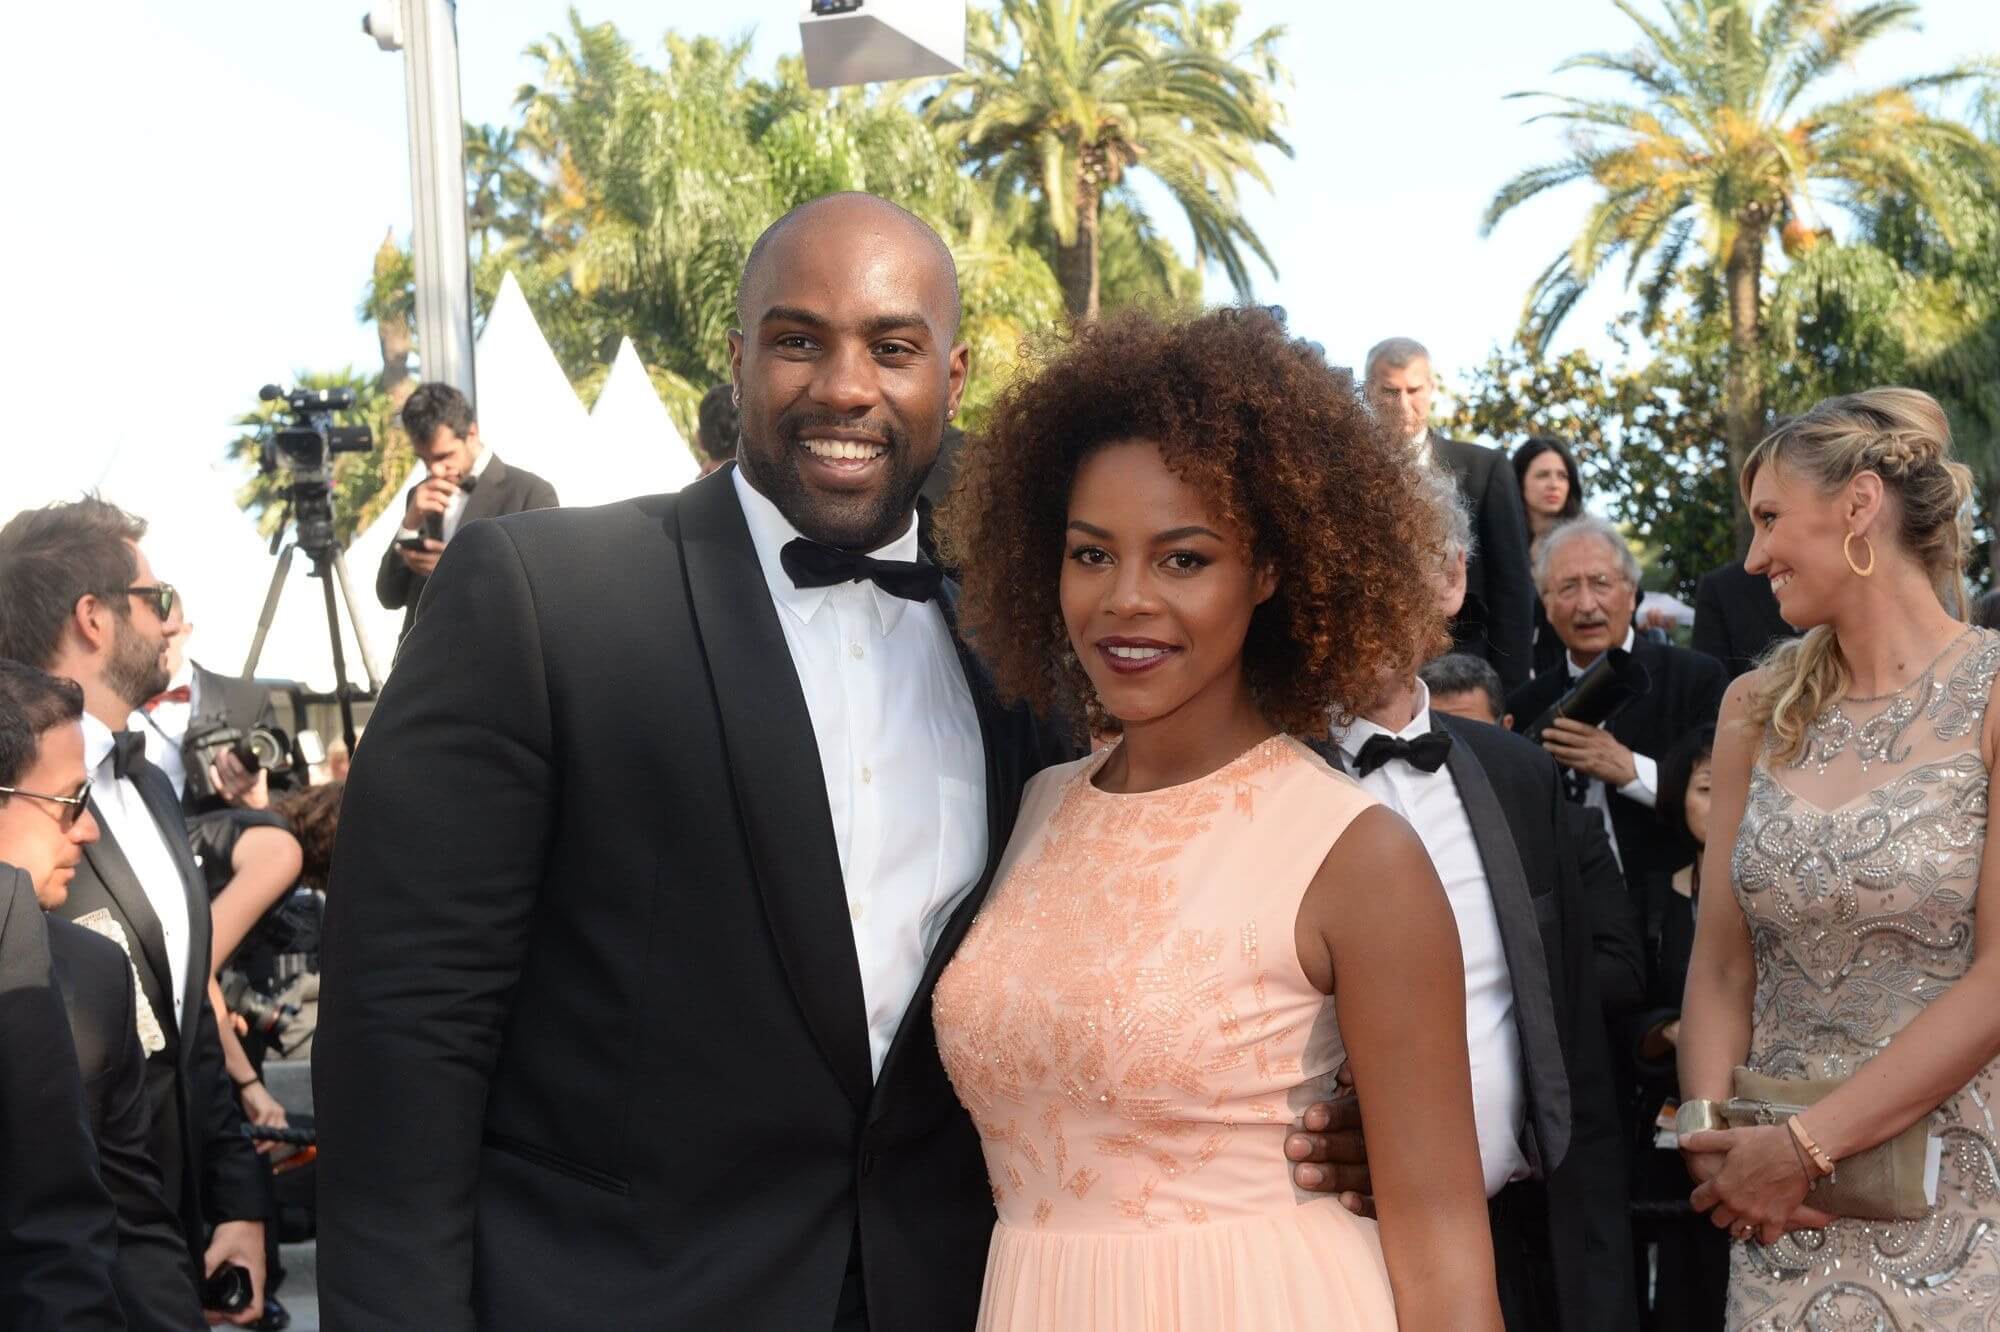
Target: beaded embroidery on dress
[[1857, 869], [1128, 1024]]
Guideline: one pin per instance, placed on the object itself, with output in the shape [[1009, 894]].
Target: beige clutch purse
[[1891, 1181]]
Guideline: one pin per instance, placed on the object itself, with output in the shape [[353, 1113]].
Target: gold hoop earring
[[1847, 555]]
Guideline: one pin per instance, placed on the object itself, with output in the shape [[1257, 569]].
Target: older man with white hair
[[1496, 623], [1589, 584]]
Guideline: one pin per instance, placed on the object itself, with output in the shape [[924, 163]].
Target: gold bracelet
[[1821, 1161]]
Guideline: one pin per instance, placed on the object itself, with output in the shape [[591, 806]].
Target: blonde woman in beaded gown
[[1856, 945], [1141, 1008]]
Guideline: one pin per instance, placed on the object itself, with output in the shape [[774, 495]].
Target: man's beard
[[137, 669], [861, 522]]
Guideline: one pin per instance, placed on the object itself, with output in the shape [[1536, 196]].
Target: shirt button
[[854, 650], [853, 908], [867, 776]]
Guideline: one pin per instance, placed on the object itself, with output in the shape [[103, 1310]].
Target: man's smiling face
[[847, 367]]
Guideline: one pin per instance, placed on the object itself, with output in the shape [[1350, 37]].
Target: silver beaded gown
[[1857, 868]]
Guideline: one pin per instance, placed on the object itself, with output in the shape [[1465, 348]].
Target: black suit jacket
[[1686, 692], [1586, 932], [501, 490], [208, 1168], [58, 1234], [1736, 618], [592, 1024], [153, 1277], [1497, 622]]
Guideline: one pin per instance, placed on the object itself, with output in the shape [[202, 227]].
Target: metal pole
[[438, 243]]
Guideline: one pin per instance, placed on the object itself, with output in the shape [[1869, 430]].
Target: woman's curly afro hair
[[1282, 447]]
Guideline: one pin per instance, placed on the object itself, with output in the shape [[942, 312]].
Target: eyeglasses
[[1601, 586], [160, 596], [72, 806]]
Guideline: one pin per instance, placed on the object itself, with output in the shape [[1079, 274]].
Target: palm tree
[[1716, 145], [1064, 98]]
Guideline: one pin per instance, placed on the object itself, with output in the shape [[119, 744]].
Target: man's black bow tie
[[813, 565], [1426, 752], [128, 751], [468, 483]]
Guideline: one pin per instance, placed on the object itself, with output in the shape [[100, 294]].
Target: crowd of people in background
[[797, 907]]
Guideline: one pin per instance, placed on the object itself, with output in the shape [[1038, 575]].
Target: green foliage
[[1061, 99], [1715, 152], [1715, 143], [1649, 441]]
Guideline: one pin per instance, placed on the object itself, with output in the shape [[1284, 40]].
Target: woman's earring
[[735, 397], [1848, 555]]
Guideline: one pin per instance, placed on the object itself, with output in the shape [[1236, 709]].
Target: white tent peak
[[632, 432]]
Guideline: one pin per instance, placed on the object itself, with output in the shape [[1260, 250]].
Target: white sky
[[198, 188]]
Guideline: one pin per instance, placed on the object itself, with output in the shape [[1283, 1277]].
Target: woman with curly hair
[[1193, 535]]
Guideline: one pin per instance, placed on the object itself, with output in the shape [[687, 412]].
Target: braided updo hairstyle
[[1902, 436]]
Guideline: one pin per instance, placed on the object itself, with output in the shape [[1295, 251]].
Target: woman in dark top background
[[1688, 1258], [1552, 494]]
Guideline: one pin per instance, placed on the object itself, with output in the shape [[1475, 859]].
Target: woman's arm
[[1376, 931], [266, 863], [1944, 1046], [1722, 973]]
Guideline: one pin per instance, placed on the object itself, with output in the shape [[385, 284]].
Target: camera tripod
[[329, 564]]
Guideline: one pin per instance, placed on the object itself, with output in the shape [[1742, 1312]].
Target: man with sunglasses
[[79, 599], [45, 823]]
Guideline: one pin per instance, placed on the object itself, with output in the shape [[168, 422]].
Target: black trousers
[[1522, 1263]]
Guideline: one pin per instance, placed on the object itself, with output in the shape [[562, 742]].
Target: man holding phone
[[466, 482]]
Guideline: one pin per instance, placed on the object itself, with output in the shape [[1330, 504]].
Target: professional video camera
[[305, 446]]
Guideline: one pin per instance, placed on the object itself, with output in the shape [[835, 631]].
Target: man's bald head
[[848, 365], [850, 209]]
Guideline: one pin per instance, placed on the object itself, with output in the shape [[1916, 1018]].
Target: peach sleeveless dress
[[1129, 1026]]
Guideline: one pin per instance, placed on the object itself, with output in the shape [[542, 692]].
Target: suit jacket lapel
[[774, 769], [121, 884], [1527, 960], [158, 793], [489, 498]]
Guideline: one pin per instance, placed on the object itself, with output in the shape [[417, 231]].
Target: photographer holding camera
[[466, 482], [215, 736]]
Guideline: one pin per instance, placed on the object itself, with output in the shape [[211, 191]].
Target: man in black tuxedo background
[[79, 599], [1736, 618], [1542, 922], [58, 1233], [600, 1031], [1589, 583], [466, 482], [1497, 622], [43, 830]]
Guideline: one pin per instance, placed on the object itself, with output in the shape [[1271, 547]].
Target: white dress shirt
[[165, 727], [454, 508], [900, 751], [1420, 445], [141, 841], [1643, 787], [1433, 806]]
